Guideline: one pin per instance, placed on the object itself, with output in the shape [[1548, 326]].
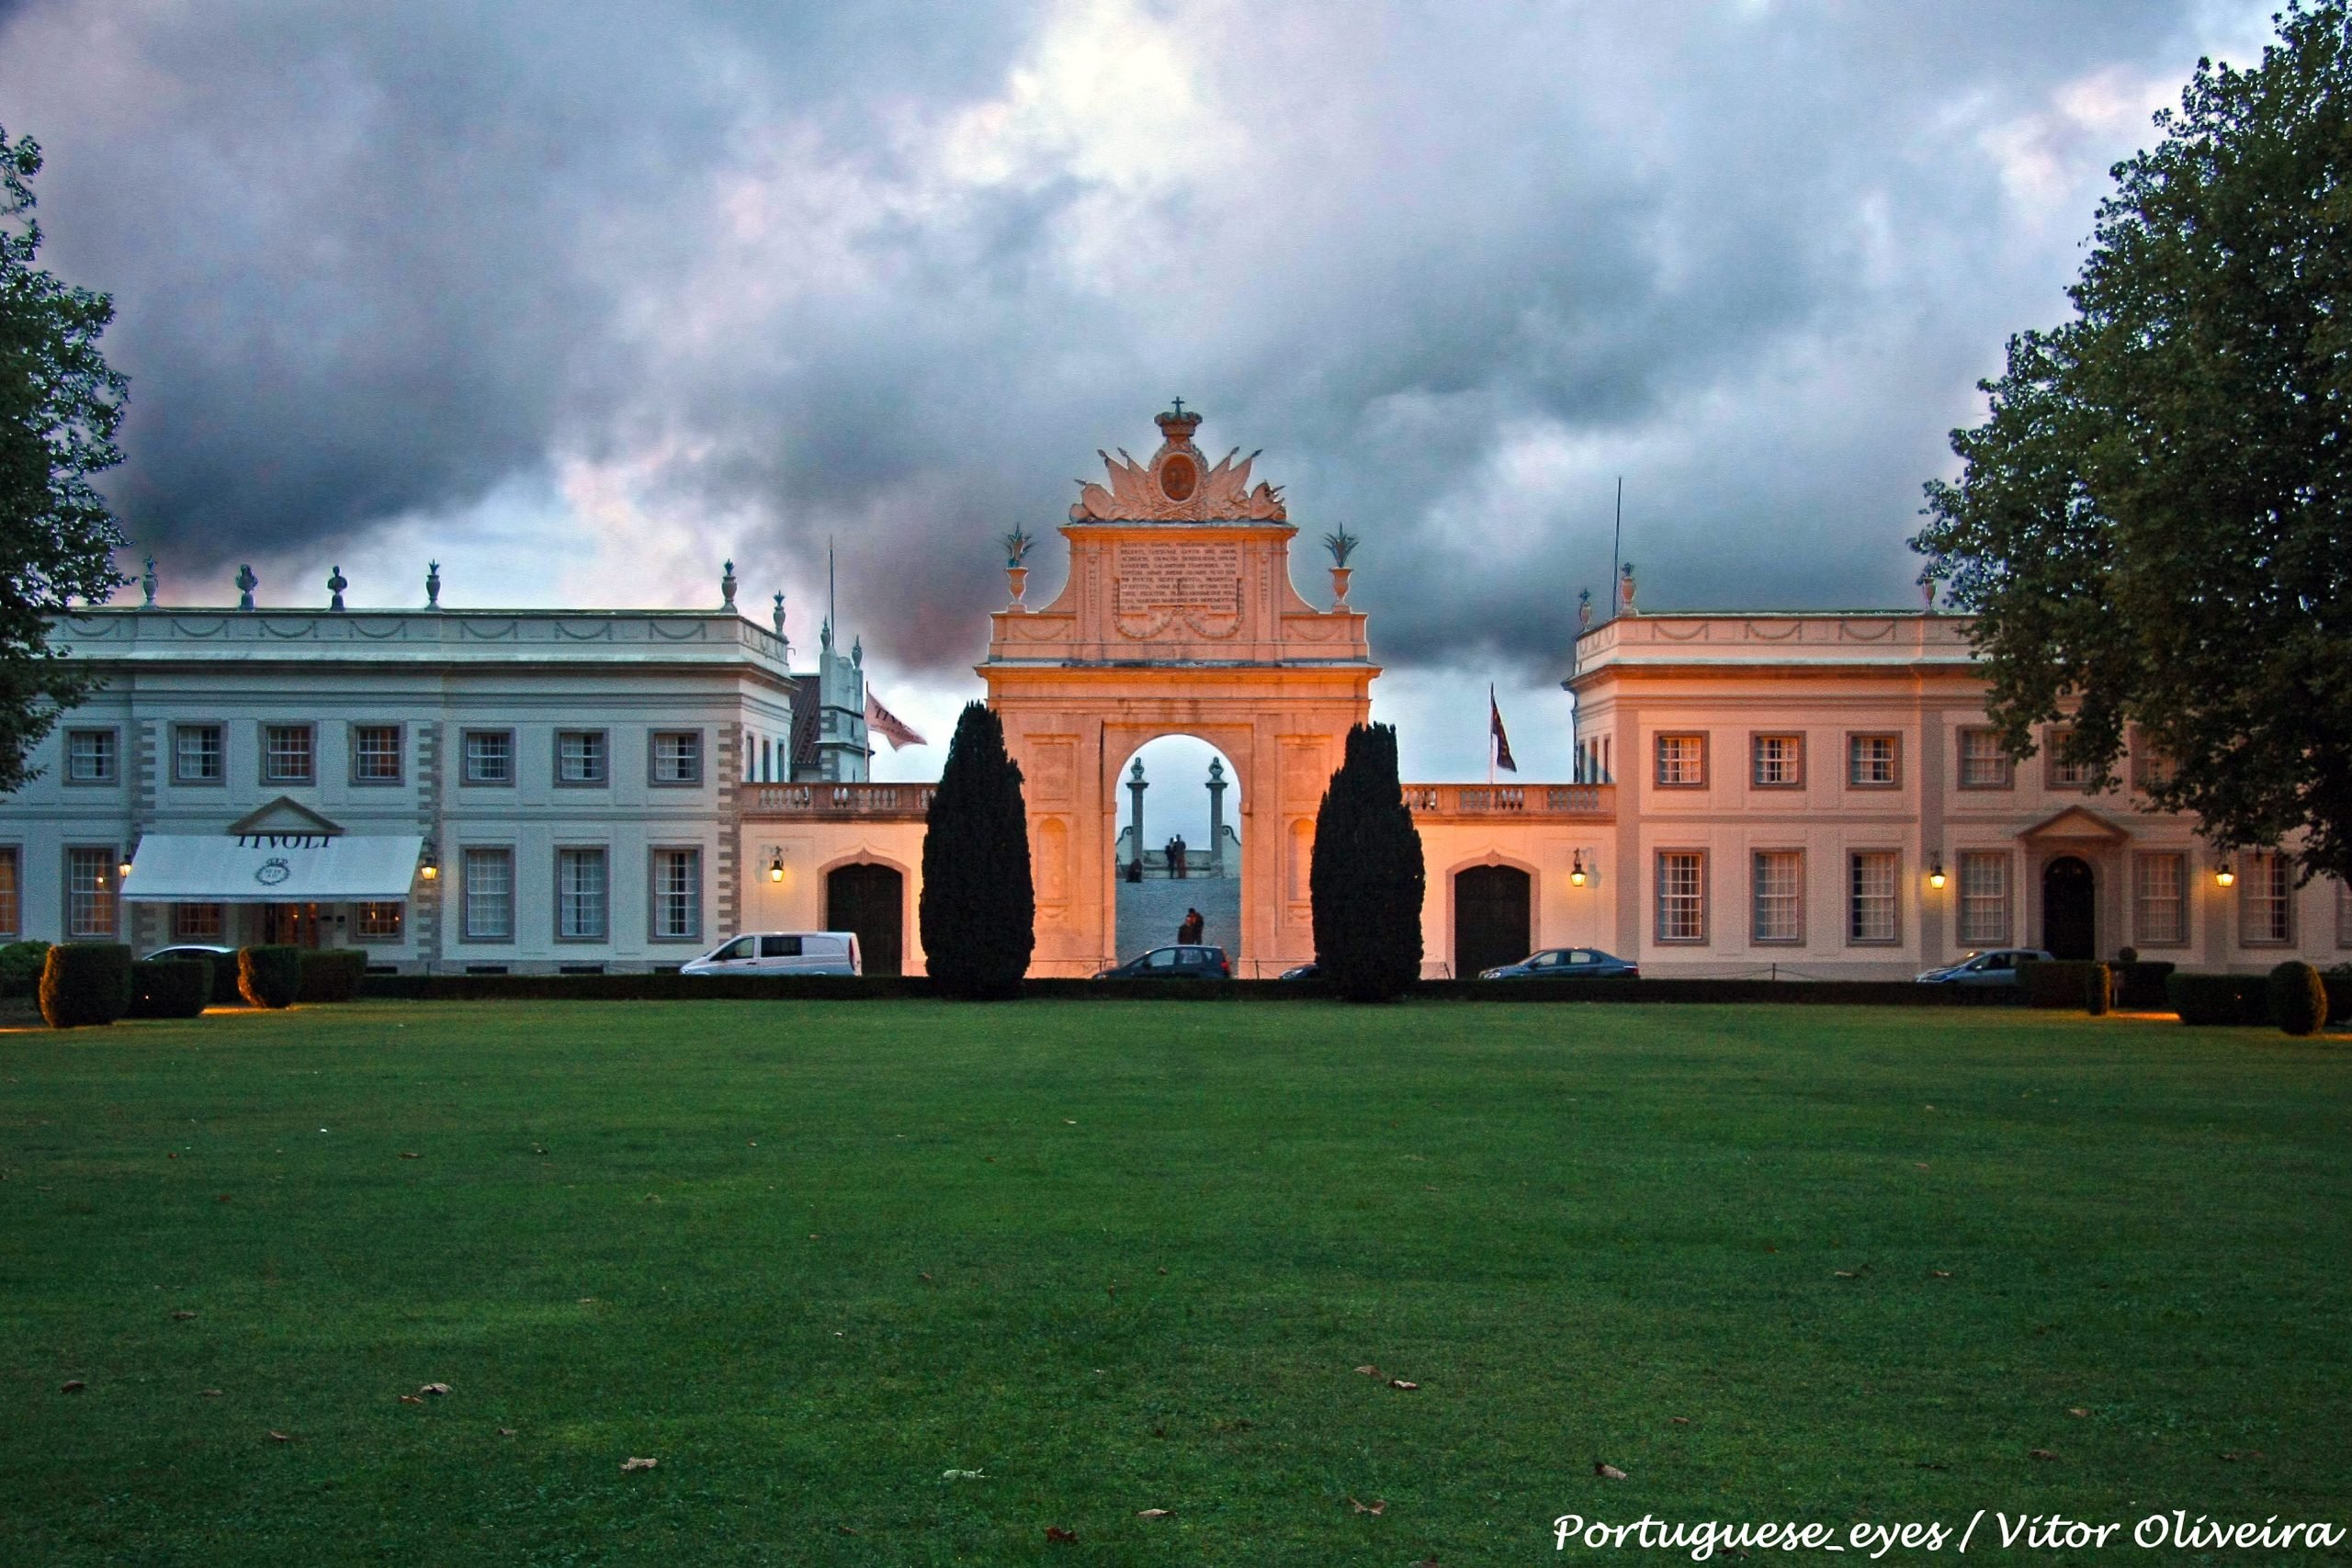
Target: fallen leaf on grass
[[1056, 1532], [1679, 1420], [1163, 1270], [182, 1317], [410, 1153], [71, 1385], [2040, 1453], [1400, 1382], [963, 1475], [845, 1529], [628, 1464], [435, 1389], [1368, 1370], [924, 1277], [2234, 1456], [1844, 1274], [1938, 1273], [210, 1392], [1153, 1513], [1376, 1507], [2077, 1410], [508, 1431], [1068, 1122], [1607, 1471], [281, 1437], [411, 1399]]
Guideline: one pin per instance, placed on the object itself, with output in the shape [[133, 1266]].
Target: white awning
[[272, 868]]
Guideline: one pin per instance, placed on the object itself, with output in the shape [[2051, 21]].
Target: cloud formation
[[587, 295]]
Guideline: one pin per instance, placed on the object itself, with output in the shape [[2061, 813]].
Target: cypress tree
[[1366, 877], [978, 910]]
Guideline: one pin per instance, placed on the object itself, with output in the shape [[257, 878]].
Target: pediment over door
[[2078, 824], [286, 816]]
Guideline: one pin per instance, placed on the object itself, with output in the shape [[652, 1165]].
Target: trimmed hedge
[[2065, 983], [2140, 985], [170, 987], [2228, 999], [2298, 997], [20, 966], [85, 983], [2338, 982], [269, 976], [332, 975]]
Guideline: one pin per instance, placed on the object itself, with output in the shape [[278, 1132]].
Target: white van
[[782, 952]]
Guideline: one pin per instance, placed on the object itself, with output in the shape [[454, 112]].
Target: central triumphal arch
[[1178, 618]]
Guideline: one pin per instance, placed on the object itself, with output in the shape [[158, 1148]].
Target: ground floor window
[[1871, 912], [1681, 896], [2159, 907], [89, 893], [2343, 909], [378, 922], [198, 923], [2266, 902], [1780, 895], [677, 895], [580, 899], [11, 887], [489, 894], [1984, 898]]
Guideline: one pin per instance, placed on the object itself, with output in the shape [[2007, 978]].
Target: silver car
[[1998, 967], [781, 952]]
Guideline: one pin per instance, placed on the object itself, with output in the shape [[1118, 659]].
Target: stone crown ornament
[[1177, 486]]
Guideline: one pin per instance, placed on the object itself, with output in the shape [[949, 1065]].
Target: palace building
[[1812, 796]]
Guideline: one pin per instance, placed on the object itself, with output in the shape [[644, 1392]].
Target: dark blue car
[[1566, 963]]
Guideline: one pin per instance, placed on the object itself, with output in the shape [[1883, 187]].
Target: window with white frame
[[1872, 761], [2062, 774], [1681, 762], [90, 757], [677, 756], [90, 892], [1984, 898], [287, 753], [582, 758], [1779, 762], [198, 923], [376, 755], [677, 895], [1984, 763], [197, 754], [488, 757], [12, 908], [380, 921], [582, 895], [2266, 902], [488, 896], [1780, 895], [1873, 878], [2159, 898], [1681, 896]]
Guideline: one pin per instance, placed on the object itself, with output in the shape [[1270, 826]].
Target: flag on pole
[[881, 721], [1502, 741]]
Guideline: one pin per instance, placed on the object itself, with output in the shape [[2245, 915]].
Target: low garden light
[[1576, 872]]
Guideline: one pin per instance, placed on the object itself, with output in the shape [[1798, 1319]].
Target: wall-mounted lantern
[[430, 868], [776, 867], [1576, 871], [2225, 874], [1936, 874]]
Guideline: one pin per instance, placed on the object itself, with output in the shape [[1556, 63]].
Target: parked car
[[1186, 963], [782, 952], [1304, 971], [1998, 967], [195, 950], [1566, 963]]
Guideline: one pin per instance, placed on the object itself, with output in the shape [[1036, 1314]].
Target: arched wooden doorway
[[1492, 918], [871, 900], [2069, 908]]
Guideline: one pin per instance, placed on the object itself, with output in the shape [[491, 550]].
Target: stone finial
[[1216, 772], [247, 583], [1135, 775], [777, 618], [1584, 609], [432, 585], [1928, 586], [147, 581], [857, 652], [727, 588], [1625, 591], [337, 584]]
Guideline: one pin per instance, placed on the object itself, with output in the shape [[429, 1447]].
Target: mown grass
[[1125, 1256]]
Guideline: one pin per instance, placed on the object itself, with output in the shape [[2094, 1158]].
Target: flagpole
[[1490, 744]]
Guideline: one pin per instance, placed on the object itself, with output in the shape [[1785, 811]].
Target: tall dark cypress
[[978, 910], [1367, 878]]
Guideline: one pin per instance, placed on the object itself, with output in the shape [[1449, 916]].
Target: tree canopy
[[1366, 876], [2152, 523], [59, 406], [978, 910]]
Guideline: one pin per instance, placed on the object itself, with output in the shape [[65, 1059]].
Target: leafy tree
[[2153, 523], [1366, 877], [59, 406], [978, 910]]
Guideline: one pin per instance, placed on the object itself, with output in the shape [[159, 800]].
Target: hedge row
[[80, 984]]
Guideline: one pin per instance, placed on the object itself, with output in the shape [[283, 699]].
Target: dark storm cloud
[[891, 275]]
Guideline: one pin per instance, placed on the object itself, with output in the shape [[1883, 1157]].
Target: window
[[379, 922], [2060, 773], [2266, 902], [2150, 766], [489, 895], [677, 895], [197, 754], [1779, 762], [198, 923], [779, 947], [2158, 906], [90, 756], [1872, 877], [12, 908], [677, 756], [1681, 762], [581, 759], [1984, 763], [580, 896], [488, 757], [286, 753], [89, 893], [1780, 895], [2342, 906], [1872, 762], [1984, 898], [376, 755], [1681, 896]]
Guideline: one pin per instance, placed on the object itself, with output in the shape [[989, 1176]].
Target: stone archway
[[870, 898], [1178, 616], [1492, 917]]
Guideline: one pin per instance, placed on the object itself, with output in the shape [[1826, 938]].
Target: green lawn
[[1126, 1256]]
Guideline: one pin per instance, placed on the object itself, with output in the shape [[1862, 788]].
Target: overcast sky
[[582, 298]]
